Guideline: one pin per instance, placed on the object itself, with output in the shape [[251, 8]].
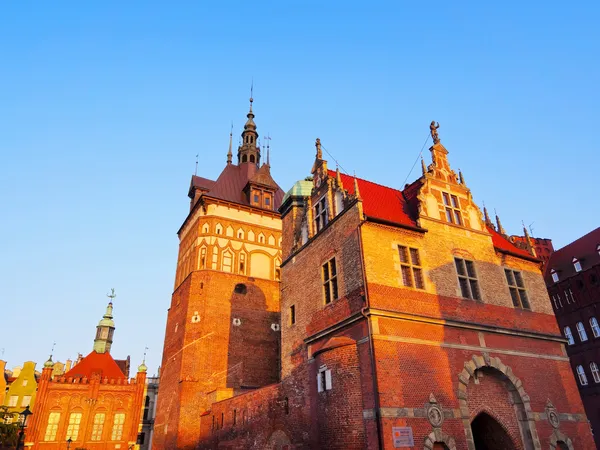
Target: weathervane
[[112, 295]]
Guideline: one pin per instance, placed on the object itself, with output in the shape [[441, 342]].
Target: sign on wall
[[403, 437]]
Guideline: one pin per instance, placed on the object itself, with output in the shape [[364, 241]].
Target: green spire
[[105, 328]]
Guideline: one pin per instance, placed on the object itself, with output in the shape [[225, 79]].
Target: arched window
[[581, 330], [251, 158], [576, 265], [569, 335], [554, 275], [595, 372], [240, 288], [244, 158], [595, 327], [581, 375]]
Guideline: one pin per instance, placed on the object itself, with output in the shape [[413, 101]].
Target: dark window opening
[[251, 158], [240, 288], [286, 405], [292, 314], [234, 416], [244, 158]]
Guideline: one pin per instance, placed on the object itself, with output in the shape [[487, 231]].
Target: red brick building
[[222, 335], [573, 281], [94, 404], [406, 322]]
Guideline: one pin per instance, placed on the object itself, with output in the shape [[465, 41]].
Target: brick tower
[[222, 335]]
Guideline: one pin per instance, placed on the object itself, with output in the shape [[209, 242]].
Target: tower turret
[[105, 328], [249, 151]]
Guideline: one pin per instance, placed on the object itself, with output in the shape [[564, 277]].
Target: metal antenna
[[145, 350]]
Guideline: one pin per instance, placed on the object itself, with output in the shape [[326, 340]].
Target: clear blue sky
[[104, 105]]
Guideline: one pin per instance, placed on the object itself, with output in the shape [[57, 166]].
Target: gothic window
[[205, 228], [330, 287], [467, 278], [581, 331], [410, 267], [73, 427], [320, 212], [576, 265], [52, 426], [595, 374], [242, 263], [251, 158], [452, 206], [203, 258], [240, 234], [554, 275], [219, 229], [517, 288], [261, 238], [595, 327], [98, 426], [117, 431], [581, 374], [227, 262], [244, 158]]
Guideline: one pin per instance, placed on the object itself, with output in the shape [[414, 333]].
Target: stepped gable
[[584, 249], [96, 362], [392, 205], [234, 178]]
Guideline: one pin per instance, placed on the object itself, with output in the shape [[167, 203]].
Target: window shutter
[[328, 379], [319, 383]]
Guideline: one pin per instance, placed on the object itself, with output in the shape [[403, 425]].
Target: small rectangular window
[[410, 267], [13, 400], [26, 401], [467, 278], [292, 314], [324, 381], [268, 201], [330, 287], [518, 293]]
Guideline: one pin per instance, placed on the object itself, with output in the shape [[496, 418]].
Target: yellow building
[[21, 391]]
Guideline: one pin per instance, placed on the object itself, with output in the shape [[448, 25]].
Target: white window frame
[[582, 376], [581, 331], [13, 400], [595, 327], [577, 265], [569, 335], [595, 372], [324, 381], [26, 401], [554, 276]]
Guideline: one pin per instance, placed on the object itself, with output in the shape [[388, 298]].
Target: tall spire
[[229, 154], [105, 328], [249, 150], [500, 227], [423, 168]]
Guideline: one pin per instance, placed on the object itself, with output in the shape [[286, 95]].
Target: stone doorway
[[488, 434]]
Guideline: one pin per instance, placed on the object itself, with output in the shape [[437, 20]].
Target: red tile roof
[[96, 362], [380, 202], [584, 249], [392, 205]]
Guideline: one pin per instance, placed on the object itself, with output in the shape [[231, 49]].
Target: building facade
[[94, 404], [573, 281], [148, 413], [22, 389], [406, 322], [222, 334]]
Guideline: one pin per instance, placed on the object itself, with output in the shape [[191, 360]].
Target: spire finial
[[356, 191], [196, 170], [319, 151], [251, 93], [499, 224], [460, 177], [268, 139], [112, 295], [229, 153], [423, 168]]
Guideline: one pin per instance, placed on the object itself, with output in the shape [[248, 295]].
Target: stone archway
[[489, 434], [278, 441], [438, 440], [560, 441], [514, 385]]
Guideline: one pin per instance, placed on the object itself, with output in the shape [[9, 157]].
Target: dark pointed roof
[[584, 249], [233, 180]]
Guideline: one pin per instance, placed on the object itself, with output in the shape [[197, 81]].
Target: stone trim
[[437, 435], [560, 436], [485, 360], [465, 325], [468, 347]]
